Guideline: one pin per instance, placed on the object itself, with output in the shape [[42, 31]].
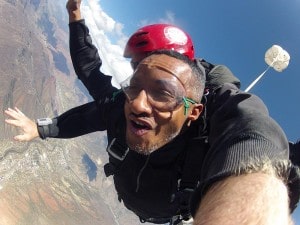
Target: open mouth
[[140, 125]]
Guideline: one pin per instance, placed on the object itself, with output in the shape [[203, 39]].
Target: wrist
[[43, 127], [74, 16]]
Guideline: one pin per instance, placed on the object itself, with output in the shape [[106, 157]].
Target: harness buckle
[[117, 153], [116, 150], [175, 220]]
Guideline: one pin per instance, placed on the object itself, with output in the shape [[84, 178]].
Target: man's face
[[153, 110]]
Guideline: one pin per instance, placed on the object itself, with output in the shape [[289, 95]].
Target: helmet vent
[[141, 44], [141, 34]]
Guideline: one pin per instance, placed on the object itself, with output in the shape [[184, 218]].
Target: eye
[[132, 90], [162, 95]]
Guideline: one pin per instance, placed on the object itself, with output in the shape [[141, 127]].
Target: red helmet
[[157, 37]]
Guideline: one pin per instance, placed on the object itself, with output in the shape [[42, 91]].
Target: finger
[[8, 111], [72, 5], [20, 137], [23, 137], [15, 113], [11, 113], [15, 123], [19, 111]]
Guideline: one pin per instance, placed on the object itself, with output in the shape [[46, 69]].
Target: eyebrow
[[171, 73], [162, 68], [165, 82]]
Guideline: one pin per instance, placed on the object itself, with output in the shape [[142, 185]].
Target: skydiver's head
[[163, 98], [157, 37]]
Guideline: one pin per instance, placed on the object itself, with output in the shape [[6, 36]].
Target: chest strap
[[117, 152]]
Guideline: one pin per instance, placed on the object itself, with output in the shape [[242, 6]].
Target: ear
[[194, 113]]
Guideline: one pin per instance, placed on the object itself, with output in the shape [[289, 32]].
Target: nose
[[140, 104]]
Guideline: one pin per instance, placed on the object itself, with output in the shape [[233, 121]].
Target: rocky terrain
[[53, 181]]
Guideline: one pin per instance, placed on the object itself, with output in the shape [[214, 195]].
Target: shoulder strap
[[196, 150], [191, 171], [295, 152], [117, 148], [294, 175], [217, 75]]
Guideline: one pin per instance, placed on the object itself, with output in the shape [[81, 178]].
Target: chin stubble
[[147, 151]]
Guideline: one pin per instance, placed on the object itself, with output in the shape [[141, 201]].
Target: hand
[[19, 119], [73, 7]]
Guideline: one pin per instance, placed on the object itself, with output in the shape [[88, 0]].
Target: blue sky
[[235, 33]]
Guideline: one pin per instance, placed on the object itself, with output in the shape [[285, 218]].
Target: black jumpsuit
[[240, 130]]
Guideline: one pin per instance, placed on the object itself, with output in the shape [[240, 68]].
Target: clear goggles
[[165, 95]]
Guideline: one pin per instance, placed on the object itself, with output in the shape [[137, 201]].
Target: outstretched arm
[[257, 198], [75, 122], [84, 54]]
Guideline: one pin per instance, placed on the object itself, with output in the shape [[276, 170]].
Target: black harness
[[194, 153]]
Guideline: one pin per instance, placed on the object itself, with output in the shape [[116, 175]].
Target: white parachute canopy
[[275, 57]]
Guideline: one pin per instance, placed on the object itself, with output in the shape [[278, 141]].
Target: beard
[[146, 148]]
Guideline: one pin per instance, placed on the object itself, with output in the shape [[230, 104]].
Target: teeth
[[138, 123]]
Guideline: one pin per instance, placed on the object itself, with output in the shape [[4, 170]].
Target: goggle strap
[[186, 104], [115, 94]]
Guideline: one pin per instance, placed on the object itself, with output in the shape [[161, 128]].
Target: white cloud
[[101, 27], [169, 19]]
